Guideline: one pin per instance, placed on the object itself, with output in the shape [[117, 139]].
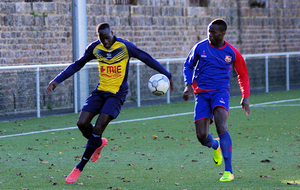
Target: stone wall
[[41, 33]]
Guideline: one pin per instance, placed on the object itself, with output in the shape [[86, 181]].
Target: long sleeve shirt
[[209, 68]]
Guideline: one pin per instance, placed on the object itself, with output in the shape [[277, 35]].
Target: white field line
[[149, 118]]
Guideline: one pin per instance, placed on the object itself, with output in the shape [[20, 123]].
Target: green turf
[[135, 159]]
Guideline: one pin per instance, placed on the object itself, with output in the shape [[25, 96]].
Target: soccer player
[[113, 55], [207, 74]]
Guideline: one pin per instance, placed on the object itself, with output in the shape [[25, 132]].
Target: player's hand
[[188, 91], [171, 84], [245, 105], [52, 85]]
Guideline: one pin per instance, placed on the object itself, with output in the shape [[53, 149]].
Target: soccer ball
[[158, 84]]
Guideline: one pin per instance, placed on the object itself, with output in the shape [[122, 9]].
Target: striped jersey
[[113, 65]]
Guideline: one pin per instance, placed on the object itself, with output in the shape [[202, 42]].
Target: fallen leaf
[[266, 160], [291, 183], [265, 176]]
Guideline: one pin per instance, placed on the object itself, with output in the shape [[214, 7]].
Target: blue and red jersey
[[209, 68], [113, 65]]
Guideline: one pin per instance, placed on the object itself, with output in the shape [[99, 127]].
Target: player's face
[[215, 35], [106, 37]]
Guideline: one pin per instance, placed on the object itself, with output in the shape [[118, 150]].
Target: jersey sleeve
[[242, 73], [77, 65], [147, 59], [189, 65]]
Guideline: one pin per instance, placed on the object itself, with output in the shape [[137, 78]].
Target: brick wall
[[41, 33]]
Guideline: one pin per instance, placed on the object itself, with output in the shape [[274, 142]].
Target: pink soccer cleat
[[96, 155], [73, 176]]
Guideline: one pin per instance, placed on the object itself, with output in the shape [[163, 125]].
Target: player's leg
[[90, 109], [84, 123], [203, 118], [221, 115], [111, 109], [203, 135], [94, 142]]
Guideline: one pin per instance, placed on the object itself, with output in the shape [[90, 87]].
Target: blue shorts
[[206, 102], [104, 102]]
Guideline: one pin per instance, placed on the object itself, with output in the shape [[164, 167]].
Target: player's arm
[[71, 69], [243, 80], [188, 72], [150, 61]]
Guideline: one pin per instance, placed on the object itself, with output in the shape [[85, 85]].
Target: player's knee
[[81, 125]]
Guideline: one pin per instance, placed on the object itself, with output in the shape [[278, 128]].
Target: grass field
[[158, 153]]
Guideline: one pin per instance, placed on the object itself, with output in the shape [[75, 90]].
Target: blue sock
[[226, 147], [210, 142], [93, 143]]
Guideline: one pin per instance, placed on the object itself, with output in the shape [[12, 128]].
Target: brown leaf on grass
[[194, 160], [131, 164], [298, 166], [149, 168], [265, 176], [55, 183], [126, 180], [292, 183], [158, 180], [266, 160], [161, 130], [41, 159]]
